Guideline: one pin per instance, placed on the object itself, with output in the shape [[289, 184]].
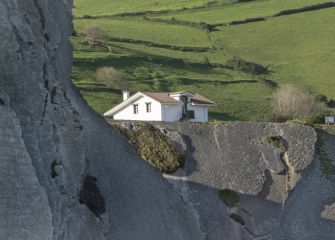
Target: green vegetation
[[277, 142], [290, 46], [318, 119], [187, 54], [233, 12], [237, 218], [326, 163], [154, 147], [229, 197], [107, 7]]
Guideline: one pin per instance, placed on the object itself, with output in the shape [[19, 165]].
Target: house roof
[[161, 97], [200, 100]]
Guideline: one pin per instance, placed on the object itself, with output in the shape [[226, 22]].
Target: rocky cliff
[[284, 192], [278, 185], [67, 175]]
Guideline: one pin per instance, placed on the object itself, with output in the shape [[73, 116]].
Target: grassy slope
[[233, 12], [298, 48], [142, 30], [110, 7], [288, 44]]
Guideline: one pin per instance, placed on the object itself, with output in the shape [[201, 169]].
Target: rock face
[[67, 175], [282, 191], [51, 143]]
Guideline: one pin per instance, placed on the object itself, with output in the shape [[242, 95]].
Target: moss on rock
[[237, 218], [229, 197], [277, 142], [154, 147]]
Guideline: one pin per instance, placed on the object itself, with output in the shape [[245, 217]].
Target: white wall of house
[[171, 112], [127, 113], [200, 112]]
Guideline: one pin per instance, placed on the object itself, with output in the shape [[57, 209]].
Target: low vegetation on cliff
[[153, 146], [229, 197]]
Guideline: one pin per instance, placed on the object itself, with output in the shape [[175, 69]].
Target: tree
[[110, 76], [93, 34], [290, 102]]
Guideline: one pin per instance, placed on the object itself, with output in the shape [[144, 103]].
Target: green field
[[110, 7], [232, 12], [297, 48]]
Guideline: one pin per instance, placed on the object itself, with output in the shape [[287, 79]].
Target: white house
[[161, 106]]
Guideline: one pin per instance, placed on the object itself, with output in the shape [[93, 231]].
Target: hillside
[[67, 174], [161, 46]]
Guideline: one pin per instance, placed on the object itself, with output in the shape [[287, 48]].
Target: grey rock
[[281, 196], [236, 155], [25, 211], [52, 140], [329, 212]]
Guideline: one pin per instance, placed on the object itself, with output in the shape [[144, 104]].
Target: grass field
[[108, 7], [232, 12], [297, 48]]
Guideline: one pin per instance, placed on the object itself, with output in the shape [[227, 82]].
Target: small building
[[162, 106], [329, 120]]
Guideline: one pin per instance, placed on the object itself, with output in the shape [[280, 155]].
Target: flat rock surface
[[237, 155], [273, 203]]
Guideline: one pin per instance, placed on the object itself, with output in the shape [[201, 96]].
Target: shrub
[[240, 64], [277, 142], [109, 76], [247, 20], [154, 147], [291, 102], [93, 34], [326, 163], [237, 218], [305, 9], [321, 98], [229, 197]]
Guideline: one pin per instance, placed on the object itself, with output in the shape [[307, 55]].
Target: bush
[[229, 197], [240, 64], [154, 147], [290, 102], [93, 34], [109, 76], [326, 163], [305, 9], [277, 142], [321, 98], [237, 218]]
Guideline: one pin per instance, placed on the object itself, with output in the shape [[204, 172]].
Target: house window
[[135, 108], [148, 107]]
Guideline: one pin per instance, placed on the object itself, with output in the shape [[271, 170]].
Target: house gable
[[139, 107]]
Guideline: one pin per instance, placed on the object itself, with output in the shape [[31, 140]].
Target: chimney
[[125, 95]]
